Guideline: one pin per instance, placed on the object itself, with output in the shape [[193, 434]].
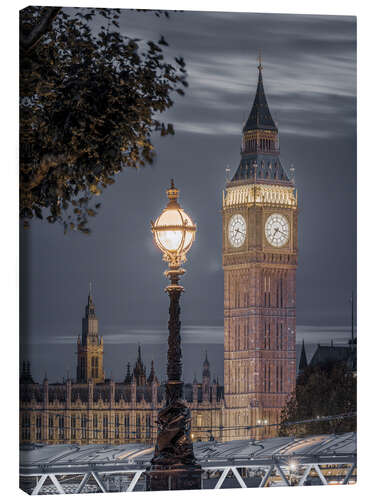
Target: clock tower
[[259, 262]]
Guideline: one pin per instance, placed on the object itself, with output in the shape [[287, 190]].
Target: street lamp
[[173, 466]]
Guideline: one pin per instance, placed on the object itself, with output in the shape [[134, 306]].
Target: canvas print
[[188, 250]]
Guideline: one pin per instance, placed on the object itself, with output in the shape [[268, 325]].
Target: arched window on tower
[[277, 339], [281, 292], [105, 426], [281, 336], [267, 290], [95, 367]]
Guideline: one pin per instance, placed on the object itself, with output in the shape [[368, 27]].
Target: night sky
[[310, 82]]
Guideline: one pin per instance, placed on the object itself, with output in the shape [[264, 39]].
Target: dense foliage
[[321, 391], [89, 102]]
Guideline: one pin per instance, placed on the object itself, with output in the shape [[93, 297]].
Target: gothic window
[[84, 426], [267, 335], [126, 426], [38, 427], [277, 378], [95, 426], [105, 427], [281, 292], [267, 290], [269, 377], [281, 378], [61, 428], [117, 427], [95, 367], [237, 341], [25, 426], [277, 336], [281, 336], [247, 334], [265, 378], [73, 427], [50, 427], [138, 427], [277, 294], [199, 420], [148, 426]]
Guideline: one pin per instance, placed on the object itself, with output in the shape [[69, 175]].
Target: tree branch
[[29, 41], [48, 161]]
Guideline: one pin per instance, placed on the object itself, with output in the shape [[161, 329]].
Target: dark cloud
[[310, 81]]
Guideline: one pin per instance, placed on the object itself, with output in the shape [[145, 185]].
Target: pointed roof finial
[[260, 67], [303, 358], [172, 192], [152, 377]]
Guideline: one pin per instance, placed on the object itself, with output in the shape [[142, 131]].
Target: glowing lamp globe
[[173, 230]]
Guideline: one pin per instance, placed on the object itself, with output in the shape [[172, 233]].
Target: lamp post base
[[173, 466], [185, 477]]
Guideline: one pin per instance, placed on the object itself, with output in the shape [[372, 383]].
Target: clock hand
[[238, 231]]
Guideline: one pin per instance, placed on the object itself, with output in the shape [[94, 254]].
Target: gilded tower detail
[[259, 261]]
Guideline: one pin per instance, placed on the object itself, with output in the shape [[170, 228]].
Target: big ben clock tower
[[259, 261]]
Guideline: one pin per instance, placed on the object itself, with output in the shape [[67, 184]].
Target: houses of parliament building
[[259, 221]]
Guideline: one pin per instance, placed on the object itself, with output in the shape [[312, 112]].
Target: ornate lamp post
[[173, 466]]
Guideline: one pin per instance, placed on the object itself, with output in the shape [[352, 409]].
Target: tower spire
[[303, 359], [260, 142], [206, 367], [260, 67], [260, 116]]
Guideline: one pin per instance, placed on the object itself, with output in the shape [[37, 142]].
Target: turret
[[26, 377], [133, 391], [128, 378], [206, 376], [139, 372], [153, 381], [195, 389], [45, 392], [68, 388], [112, 386], [214, 390], [303, 359], [152, 378]]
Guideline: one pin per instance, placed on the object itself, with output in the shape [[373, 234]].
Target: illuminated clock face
[[277, 230], [237, 230]]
